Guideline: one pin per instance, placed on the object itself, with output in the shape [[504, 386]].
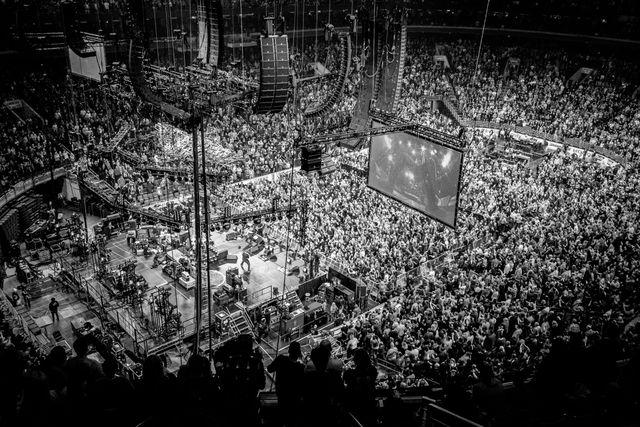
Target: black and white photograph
[[320, 213]]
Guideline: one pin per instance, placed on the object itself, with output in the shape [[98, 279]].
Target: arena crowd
[[539, 279]]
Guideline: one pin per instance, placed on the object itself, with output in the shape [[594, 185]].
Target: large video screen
[[421, 174], [90, 66]]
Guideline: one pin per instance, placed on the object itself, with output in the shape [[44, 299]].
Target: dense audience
[[539, 279], [361, 230], [598, 109], [533, 265], [30, 144]]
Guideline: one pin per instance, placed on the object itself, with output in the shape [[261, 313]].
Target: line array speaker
[[340, 82], [210, 30], [311, 158], [133, 15], [390, 77], [72, 29], [274, 74], [314, 159]]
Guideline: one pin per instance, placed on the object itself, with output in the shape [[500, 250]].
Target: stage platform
[[261, 281]]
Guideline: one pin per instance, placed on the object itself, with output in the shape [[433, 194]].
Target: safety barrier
[[575, 143]]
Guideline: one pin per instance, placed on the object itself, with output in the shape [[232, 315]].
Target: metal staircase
[[239, 321], [30, 322], [119, 137], [448, 108]]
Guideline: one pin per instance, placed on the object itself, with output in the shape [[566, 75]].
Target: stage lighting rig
[[334, 138], [253, 215], [426, 132]]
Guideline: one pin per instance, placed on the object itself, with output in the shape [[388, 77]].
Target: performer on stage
[[245, 259]]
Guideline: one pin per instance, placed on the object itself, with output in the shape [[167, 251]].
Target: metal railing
[[437, 416], [26, 185], [527, 131], [4, 301], [573, 142]]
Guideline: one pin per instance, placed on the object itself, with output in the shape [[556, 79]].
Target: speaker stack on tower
[[274, 74]]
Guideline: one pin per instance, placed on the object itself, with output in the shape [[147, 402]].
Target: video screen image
[[418, 173]]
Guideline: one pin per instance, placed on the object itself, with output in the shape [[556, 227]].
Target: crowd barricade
[[579, 146], [608, 156]]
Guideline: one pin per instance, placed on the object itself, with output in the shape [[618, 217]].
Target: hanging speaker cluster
[[382, 66], [210, 32], [135, 62], [340, 81], [72, 30], [274, 74], [315, 159], [389, 84]]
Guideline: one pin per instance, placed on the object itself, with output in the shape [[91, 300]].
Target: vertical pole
[[288, 241], [317, 16], [84, 207], [175, 293], [198, 234], [102, 310], [166, 186], [206, 232]]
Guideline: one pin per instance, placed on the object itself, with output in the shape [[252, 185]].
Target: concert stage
[[260, 282]]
